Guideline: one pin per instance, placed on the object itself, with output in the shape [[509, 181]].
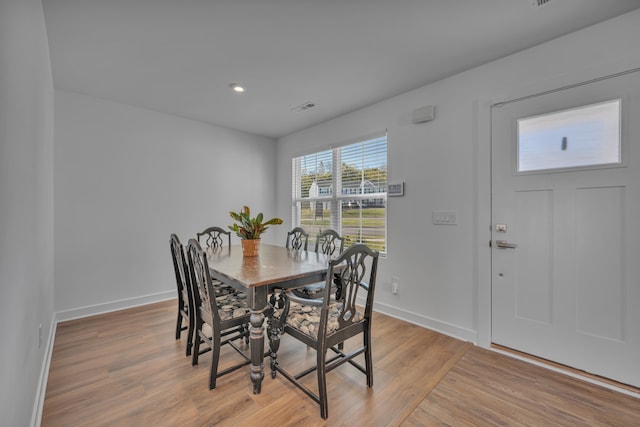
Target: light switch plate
[[444, 218]]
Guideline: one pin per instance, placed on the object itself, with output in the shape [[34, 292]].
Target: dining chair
[[297, 239], [326, 323], [328, 242], [214, 237], [185, 303], [227, 315]]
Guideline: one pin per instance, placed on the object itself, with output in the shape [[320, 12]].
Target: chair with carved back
[[326, 323], [328, 242], [226, 315], [214, 237], [185, 303], [297, 239]]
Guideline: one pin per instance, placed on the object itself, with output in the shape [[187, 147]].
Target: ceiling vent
[[303, 107], [539, 3]]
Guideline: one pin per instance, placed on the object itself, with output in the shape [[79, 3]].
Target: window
[[345, 189], [579, 137]]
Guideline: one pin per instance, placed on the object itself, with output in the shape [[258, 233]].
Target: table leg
[[256, 343]]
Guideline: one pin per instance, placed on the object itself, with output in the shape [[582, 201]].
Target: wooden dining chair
[[297, 239], [227, 315], [185, 302], [214, 237], [326, 323], [328, 242]]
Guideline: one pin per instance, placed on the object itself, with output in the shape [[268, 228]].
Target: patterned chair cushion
[[231, 303], [306, 318]]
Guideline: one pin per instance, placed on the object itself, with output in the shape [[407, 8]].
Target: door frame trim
[[482, 107]]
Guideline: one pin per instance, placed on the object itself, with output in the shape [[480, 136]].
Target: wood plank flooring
[[126, 369]]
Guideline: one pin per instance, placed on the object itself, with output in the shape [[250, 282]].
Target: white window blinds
[[345, 189]]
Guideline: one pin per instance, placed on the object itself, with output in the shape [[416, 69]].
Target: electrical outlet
[[40, 336], [395, 285]]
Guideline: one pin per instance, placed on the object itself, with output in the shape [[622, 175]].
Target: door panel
[[568, 289], [533, 263], [599, 253]]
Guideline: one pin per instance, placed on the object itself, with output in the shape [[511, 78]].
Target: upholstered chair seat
[[231, 304], [306, 318]]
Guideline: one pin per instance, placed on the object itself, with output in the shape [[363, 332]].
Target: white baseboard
[[426, 322], [36, 417], [92, 310]]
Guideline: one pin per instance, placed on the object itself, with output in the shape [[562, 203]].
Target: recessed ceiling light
[[237, 87]]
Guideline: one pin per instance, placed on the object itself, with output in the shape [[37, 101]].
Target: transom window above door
[[344, 188], [574, 138]]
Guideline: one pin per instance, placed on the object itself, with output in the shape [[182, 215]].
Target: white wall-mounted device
[[424, 114], [395, 189]]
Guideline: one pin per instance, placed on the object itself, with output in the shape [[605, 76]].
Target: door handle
[[503, 244]]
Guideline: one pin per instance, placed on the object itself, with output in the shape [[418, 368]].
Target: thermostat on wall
[[395, 189]]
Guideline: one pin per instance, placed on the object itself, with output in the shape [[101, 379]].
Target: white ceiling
[[179, 56]]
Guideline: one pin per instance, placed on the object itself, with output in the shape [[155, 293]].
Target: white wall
[[443, 270], [26, 207], [125, 178]]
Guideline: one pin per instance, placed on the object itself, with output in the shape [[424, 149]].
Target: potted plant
[[249, 229]]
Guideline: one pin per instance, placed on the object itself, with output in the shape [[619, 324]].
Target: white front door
[[566, 210]]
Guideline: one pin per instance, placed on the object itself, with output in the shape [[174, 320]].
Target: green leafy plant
[[248, 228]]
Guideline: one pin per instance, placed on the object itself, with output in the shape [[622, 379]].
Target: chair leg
[[190, 334], [322, 384], [215, 358], [196, 343], [273, 333], [368, 360], [178, 324], [246, 333]]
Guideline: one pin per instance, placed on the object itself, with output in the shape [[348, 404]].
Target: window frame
[[336, 198]]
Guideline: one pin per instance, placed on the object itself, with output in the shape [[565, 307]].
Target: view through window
[[345, 189], [584, 136]]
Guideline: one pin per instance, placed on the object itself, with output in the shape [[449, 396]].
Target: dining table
[[275, 267]]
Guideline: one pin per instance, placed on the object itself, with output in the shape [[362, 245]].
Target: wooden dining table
[[273, 267]]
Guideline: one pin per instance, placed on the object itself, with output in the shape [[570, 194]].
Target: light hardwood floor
[[126, 369]]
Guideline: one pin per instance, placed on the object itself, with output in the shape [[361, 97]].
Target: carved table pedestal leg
[[256, 339]]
